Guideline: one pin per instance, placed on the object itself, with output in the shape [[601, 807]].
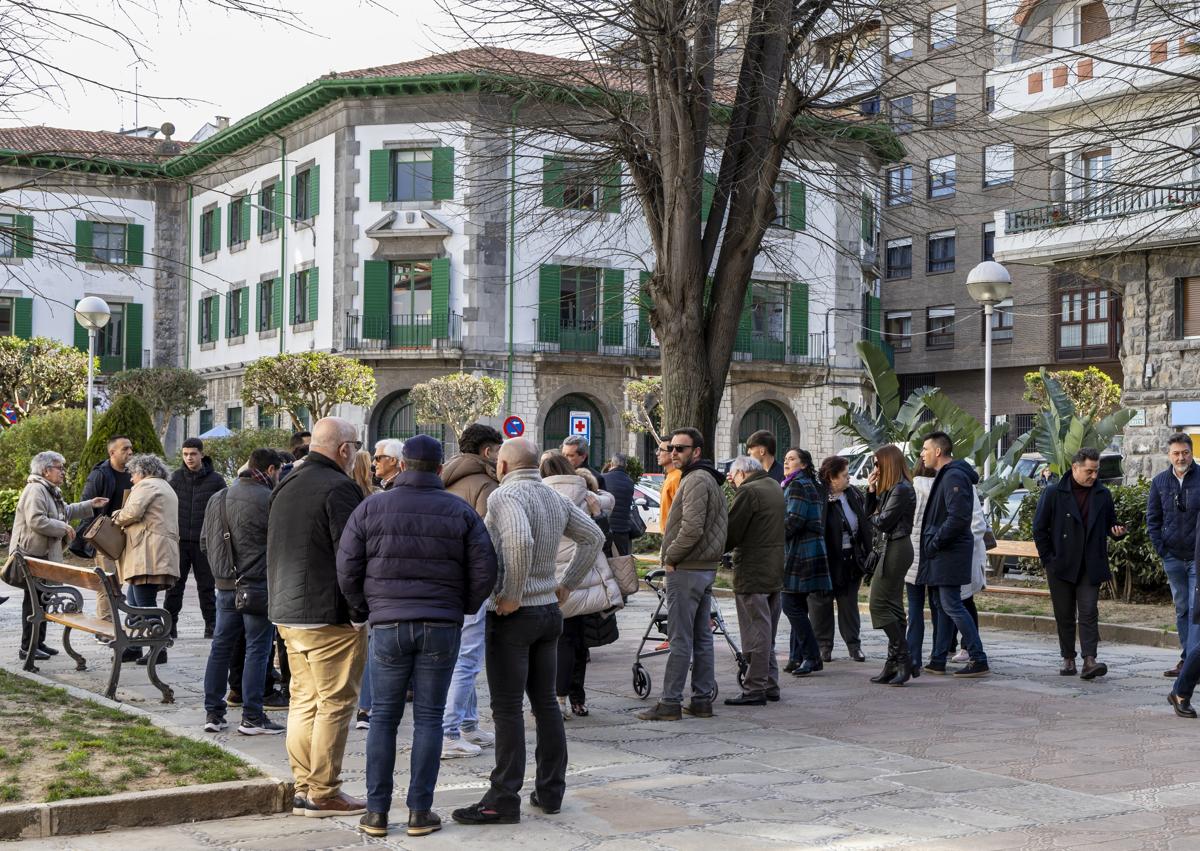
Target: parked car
[[1112, 466], [647, 498]]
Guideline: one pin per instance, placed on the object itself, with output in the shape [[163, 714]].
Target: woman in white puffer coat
[[598, 592]]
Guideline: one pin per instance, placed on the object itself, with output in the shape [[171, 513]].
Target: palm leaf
[[1060, 402], [1115, 422], [882, 377]]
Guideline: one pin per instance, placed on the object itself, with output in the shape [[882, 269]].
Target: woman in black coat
[[892, 502], [847, 540]]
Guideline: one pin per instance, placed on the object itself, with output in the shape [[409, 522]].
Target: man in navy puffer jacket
[[417, 558]]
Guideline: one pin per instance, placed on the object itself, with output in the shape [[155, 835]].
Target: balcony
[[761, 348], [589, 336], [412, 333]]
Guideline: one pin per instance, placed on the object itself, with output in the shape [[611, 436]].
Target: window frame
[[233, 312], [300, 298], [1003, 180], [208, 334], [943, 188], [941, 105], [887, 258], [987, 238], [8, 236], [1182, 286], [97, 257], [899, 33], [899, 341], [944, 235], [1086, 351], [266, 304], [209, 241], [905, 126], [300, 201], [266, 208], [953, 19], [1002, 322], [944, 339], [584, 178], [394, 162], [906, 177]]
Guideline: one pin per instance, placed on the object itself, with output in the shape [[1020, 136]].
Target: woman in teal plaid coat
[[806, 569]]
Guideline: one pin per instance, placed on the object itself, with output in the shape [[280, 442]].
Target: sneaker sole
[[933, 671], [313, 812], [377, 832], [359, 725], [258, 731], [459, 755], [215, 728], [423, 831]]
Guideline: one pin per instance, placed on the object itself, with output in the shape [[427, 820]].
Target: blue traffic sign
[[514, 427]]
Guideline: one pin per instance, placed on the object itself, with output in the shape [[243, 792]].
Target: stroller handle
[[655, 579]]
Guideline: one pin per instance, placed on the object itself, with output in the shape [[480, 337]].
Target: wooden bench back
[[64, 574]]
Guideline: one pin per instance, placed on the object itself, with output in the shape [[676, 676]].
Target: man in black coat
[[194, 483], [108, 479], [618, 483], [1071, 528], [947, 551]]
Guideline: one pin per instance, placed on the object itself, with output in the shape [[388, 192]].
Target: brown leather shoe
[[1068, 668], [1092, 668], [340, 804], [699, 709], [1176, 671], [661, 712]]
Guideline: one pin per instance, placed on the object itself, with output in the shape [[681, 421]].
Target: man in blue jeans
[[234, 539], [947, 550], [416, 558], [1172, 510]]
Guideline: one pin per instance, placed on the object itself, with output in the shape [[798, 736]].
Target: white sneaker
[[480, 736], [565, 709], [459, 747], [961, 656]]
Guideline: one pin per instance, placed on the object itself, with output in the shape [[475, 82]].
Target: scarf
[[60, 504]]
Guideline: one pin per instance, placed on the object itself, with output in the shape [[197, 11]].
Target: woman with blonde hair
[[891, 503], [361, 473]]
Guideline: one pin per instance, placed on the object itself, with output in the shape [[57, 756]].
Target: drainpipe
[[187, 308], [283, 237]]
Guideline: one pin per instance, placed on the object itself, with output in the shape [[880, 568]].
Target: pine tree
[[126, 417]]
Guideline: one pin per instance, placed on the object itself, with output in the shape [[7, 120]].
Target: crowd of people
[[343, 585]]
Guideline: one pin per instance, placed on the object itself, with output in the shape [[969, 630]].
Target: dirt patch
[[54, 746]]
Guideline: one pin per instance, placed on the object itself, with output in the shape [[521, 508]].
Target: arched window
[[769, 416], [558, 424], [397, 419]]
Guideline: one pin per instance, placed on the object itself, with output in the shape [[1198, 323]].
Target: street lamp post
[[989, 284], [93, 314]]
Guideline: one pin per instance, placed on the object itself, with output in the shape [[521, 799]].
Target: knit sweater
[[526, 520]]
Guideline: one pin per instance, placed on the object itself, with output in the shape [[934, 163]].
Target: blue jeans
[[916, 620], [803, 642], [420, 654], [1181, 575], [462, 703], [364, 689], [689, 629], [142, 595], [954, 614], [258, 633]]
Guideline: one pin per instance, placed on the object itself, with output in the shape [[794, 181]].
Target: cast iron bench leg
[[80, 662], [152, 672]]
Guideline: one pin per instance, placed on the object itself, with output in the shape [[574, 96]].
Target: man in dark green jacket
[[755, 537]]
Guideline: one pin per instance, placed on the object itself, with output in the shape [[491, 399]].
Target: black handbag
[[874, 558], [247, 599]]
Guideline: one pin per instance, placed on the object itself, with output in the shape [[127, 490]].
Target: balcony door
[[1097, 176], [412, 303], [579, 309]]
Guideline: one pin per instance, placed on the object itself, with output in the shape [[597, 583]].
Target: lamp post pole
[[91, 378], [989, 284], [988, 309], [93, 314]]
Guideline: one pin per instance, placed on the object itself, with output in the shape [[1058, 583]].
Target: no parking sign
[[514, 427]]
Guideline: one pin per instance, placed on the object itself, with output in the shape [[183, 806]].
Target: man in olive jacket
[[756, 537], [693, 543]]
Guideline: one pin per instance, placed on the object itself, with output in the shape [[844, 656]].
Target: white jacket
[[979, 563], [922, 485], [599, 590]]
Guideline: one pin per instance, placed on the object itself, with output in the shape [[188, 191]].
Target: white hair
[[43, 461], [745, 464], [391, 447]]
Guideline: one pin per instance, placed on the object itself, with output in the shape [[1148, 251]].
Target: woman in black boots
[[891, 502]]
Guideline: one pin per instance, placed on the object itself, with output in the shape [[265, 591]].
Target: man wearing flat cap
[[417, 558]]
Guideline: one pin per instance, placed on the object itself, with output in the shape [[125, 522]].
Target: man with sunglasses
[[1172, 509], [386, 461], [693, 542]]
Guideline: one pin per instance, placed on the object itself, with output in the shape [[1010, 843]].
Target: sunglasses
[[379, 458], [675, 448]]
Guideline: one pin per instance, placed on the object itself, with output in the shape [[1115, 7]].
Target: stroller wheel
[[641, 680]]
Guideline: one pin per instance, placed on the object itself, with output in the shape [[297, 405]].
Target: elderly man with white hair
[[40, 527], [386, 461]]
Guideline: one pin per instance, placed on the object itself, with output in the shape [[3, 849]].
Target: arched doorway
[[558, 424], [769, 416], [397, 419]]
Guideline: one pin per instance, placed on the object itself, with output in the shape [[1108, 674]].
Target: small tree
[[126, 417], [644, 411], [166, 392], [40, 375], [318, 381], [888, 421], [64, 432], [1092, 392], [457, 400], [1061, 430]]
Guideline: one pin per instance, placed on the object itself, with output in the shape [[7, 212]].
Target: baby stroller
[[656, 631]]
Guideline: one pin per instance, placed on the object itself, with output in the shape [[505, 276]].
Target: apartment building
[[965, 162]]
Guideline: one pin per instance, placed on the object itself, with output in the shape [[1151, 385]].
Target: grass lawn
[[54, 746]]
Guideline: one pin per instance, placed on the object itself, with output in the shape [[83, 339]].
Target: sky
[[227, 64]]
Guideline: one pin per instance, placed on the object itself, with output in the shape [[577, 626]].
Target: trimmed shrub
[[63, 432], [8, 507], [126, 417]]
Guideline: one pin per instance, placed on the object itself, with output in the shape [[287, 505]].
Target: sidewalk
[[1023, 759]]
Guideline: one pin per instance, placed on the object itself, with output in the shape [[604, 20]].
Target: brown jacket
[[695, 529], [150, 519], [472, 478]]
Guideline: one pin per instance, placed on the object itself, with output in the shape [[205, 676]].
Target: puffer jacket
[[947, 543], [1173, 532], [979, 525], [247, 505], [42, 519], [471, 477], [194, 491], [922, 485], [695, 531], [598, 591], [150, 520]]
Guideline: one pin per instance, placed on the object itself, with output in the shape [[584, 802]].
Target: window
[[998, 164], [266, 304], [989, 99], [265, 420], [781, 205], [900, 41], [1084, 320], [900, 113], [767, 320], [943, 26], [238, 208], [236, 304], [233, 418], [939, 256], [110, 339], [108, 242], [208, 235], [939, 327], [899, 185], [1187, 308], [988, 241], [303, 184], [412, 291], [412, 175], [579, 188], [1096, 165], [300, 299], [870, 106], [206, 420], [266, 207], [209, 307], [898, 258], [942, 177], [1092, 23], [897, 330], [579, 303], [941, 105], [1002, 321], [6, 317], [8, 241]]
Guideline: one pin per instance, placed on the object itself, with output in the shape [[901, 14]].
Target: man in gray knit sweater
[[526, 520]]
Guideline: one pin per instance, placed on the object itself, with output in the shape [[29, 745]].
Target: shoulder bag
[[106, 536], [879, 539], [247, 599]]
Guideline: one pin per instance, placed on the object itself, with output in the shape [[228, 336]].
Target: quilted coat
[[41, 520], [599, 590], [694, 532]]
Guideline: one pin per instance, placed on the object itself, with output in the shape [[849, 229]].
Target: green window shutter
[[549, 298], [215, 307], [216, 230], [246, 205], [874, 312], [261, 210], [613, 313], [232, 227], [868, 220], [295, 211], [258, 317], [552, 188], [439, 285], [313, 290], [611, 190], [230, 315], [798, 318], [797, 214], [379, 186], [377, 301], [277, 303], [443, 175], [200, 320], [292, 299], [745, 322], [23, 241], [81, 334], [278, 199], [23, 318], [644, 306], [707, 190], [83, 245], [133, 336], [244, 313], [314, 191], [135, 242]]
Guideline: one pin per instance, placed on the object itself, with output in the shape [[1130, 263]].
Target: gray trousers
[[820, 611], [689, 607], [758, 618]]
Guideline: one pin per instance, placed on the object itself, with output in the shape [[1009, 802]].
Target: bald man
[[526, 521], [325, 639]]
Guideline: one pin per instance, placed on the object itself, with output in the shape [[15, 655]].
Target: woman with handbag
[[847, 540], [805, 567], [150, 519], [40, 526], [891, 503]]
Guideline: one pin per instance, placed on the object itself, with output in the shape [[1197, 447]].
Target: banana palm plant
[[1060, 431], [888, 420]]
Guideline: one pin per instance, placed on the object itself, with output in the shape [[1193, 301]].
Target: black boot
[[903, 656], [889, 666]]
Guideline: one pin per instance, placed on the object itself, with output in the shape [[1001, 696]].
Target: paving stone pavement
[[1025, 759]]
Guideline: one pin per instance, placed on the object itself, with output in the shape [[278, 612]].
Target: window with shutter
[[22, 237], [313, 294], [133, 336], [1188, 308], [23, 318], [549, 296], [613, 313], [439, 297], [83, 243], [135, 239], [376, 310], [798, 318], [379, 177], [267, 204], [314, 191], [443, 174]]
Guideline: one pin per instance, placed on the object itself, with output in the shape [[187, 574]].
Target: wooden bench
[[54, 590], [1019, 549]]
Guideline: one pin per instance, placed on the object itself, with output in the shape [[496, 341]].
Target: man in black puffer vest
[[194, 483]]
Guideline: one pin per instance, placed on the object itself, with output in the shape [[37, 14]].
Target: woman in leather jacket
[[891, 502]]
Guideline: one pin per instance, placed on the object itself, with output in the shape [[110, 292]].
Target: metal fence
[[1112, 204], [371, 333]]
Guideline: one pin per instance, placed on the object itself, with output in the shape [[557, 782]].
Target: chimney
[[222, 122]]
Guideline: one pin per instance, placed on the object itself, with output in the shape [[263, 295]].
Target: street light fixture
[[93, 314], [989, 284]]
